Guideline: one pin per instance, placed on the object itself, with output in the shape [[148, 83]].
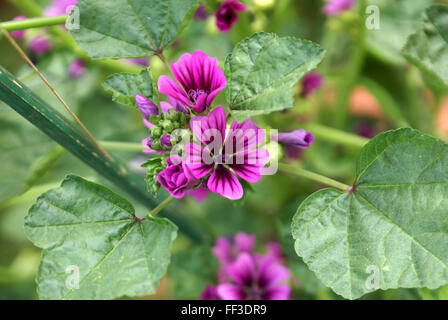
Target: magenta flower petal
[[200, 194], [77, 68], [274, 250], [209, 128], [248, 165], [223, 250], [210, 293], [244, 242], [244, 135], [281, 292], [225, 183], [230, 292], [146, 144], [311, 82], [194, 160], [59, 7], [169, 87], [242, 271], [271, 273], [335, 7], [174, 178]]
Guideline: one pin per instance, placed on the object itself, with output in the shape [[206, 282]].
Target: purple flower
[[311, 82], [365, 130], [147, 107], [225, 154], [59, 7], [176, 178], [165, 141], [40, 45], [299, 139], [210, 293], [253, 277], [201, 13], [226, 251], [18, 34], [200, 81], [335, 7], [227, 14], [77, 68]]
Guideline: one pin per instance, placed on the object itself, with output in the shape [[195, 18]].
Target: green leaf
[[191, 271], [395, 222], [57, 127], [397, 20], [124, 87], [428, 47], [86, 227], [130, 28], [439, 294], [262, 70]]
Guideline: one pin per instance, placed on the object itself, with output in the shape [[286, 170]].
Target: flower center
[[194, 94]]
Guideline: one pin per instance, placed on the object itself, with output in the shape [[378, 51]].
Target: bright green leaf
[[262, 70], [396, 221], [130, 28], [124, 87], [86, 227], [428, 47]]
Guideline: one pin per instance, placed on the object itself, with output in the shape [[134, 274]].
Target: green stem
[[313, 176], [162, 205], [121, 146], [33, 23], [337, 136]]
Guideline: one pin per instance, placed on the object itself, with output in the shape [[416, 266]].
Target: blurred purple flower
[[200, 81], [201, 13], [147, 107], [40, 45], [335, 7], [227, 14], [18, 34], [365, 130], [77, 68], [252, 277], [144, 62], [226, 251], [210, 293], [200, 194], [226, 154], [311, 82], [59, 7], [176, 178]]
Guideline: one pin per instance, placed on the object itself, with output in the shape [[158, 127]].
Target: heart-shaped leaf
[[262, 70], [124, 87], [391, 230], [94, 246], [428, 47], [130, 28]]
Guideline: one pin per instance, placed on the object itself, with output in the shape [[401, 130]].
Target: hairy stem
[[162, 205], [313, 176]]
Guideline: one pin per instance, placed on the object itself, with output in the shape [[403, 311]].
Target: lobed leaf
[[84, 227], [394, 224], [262, 70], [130, 28], [124, 87]]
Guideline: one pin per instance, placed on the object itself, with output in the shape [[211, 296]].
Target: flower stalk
[[161, 206], [33, 23], [313, 176]]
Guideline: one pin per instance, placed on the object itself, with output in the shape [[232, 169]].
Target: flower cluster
[[196, 151], [246, 275]]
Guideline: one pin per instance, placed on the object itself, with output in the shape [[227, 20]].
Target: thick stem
[[313, 176], [161, 206], [33, 23], [337, 136]]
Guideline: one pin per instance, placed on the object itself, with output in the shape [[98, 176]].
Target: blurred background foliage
[[364, 73]]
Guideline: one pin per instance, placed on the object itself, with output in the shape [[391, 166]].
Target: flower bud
[[147, 107]]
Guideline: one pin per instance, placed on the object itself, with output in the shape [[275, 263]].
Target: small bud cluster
[[164, 125]]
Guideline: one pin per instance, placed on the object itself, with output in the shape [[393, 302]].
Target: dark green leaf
[[84, 227], [130, 28], [428, 47], [395, 222], [124, 87], [262, 70]]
